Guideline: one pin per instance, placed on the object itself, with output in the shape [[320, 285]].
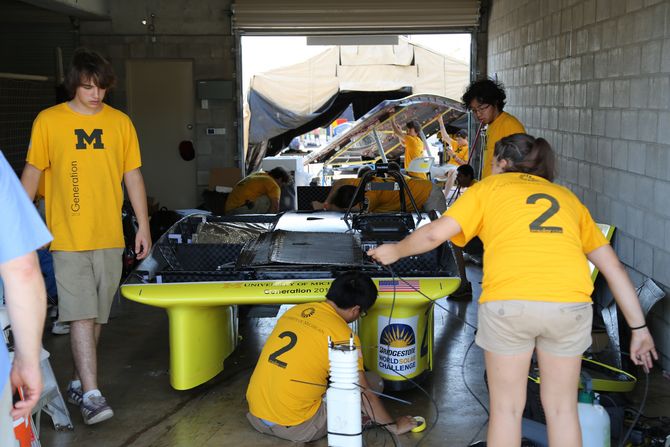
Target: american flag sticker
[[411, 285]]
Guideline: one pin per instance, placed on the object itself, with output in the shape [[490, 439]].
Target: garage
[[589, 76]]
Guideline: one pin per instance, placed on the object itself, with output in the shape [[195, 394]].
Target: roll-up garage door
[[354, 16]]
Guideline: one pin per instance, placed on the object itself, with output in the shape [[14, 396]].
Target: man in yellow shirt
[[427, 196], [486, 98], [413, 145], [286, 389], [86, 149], [258, 193]]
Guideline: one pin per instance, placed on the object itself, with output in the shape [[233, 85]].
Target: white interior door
[[161, 105]]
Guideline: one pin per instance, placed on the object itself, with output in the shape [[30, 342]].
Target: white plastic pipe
[[344, 396]]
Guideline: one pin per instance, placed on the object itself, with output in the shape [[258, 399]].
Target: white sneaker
[[59, 328]]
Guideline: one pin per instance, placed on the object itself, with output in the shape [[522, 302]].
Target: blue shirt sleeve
[[21, 228]]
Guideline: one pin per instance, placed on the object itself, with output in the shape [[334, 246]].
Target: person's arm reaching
[[398, 132], [641, 344], [446, 139], [30, 179], [26, 303], [374, 408], [138, 199], [422, 240]]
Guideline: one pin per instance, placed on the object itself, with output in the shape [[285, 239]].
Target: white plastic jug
[[594, 420]]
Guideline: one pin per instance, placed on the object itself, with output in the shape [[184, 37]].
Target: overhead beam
[[84, 9]]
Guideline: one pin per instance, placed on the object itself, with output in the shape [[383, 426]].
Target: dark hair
[[345, 194], [414, 125], [353, 288], [527, 154], [486, 91], [462, 133], [280, 173], [88, 65], [466, 170]]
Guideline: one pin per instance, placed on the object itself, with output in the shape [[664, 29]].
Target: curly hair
[[486, 91]]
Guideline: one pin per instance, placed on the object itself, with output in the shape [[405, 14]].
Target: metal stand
[[51, 401]]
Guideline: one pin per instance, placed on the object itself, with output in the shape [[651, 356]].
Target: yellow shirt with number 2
[[535, 235], [291, 375]]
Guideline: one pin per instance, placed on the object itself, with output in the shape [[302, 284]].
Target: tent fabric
[[296, 96]]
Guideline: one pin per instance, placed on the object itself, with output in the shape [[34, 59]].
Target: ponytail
[[527, 154]]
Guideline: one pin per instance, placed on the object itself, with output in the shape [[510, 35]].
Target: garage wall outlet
[[216, 131]]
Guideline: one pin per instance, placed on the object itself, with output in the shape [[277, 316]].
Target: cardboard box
[[224, 177]]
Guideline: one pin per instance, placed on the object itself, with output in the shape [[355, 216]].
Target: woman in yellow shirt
[[536, 289], [413, 145]]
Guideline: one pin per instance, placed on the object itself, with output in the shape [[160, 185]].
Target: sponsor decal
[[397, 346]]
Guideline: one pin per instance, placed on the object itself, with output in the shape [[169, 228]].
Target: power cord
[[433, 302], [432, 400]]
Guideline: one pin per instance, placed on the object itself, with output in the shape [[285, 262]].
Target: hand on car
[[384, 254]]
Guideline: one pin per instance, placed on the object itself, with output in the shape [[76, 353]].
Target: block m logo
[[94, 138]]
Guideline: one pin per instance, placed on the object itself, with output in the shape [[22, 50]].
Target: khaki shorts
[[514, 327], [87, 282], [315, 427], [312, 429]]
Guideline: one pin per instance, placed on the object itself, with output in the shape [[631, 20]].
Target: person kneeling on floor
[[287, 388], [258, 193]]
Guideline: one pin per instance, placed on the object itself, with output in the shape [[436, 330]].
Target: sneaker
[[75, 395], [58, 328], [95, 409], [463, 293]]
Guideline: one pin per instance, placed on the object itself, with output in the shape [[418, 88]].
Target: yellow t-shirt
[[296, 351], [413, 149], [504, 125], [250, 188], [84, 158], [461, 152], [535, 235], [385, 201]]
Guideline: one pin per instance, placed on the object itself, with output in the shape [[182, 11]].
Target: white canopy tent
[[283, 102]]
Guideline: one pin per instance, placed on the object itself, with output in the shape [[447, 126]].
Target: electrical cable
[[437, 410], [464, 321], [394, 275], [639, 412], [383, 426], [486, 410], [432, 400]]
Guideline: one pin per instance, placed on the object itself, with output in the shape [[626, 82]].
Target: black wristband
[[638, 327]]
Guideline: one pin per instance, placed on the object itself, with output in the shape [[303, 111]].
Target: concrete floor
[[148, 412]]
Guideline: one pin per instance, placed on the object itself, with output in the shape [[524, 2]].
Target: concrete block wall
[[593, 78], [196, 30]]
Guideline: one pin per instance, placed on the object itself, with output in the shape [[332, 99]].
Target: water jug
[[594, 420]]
